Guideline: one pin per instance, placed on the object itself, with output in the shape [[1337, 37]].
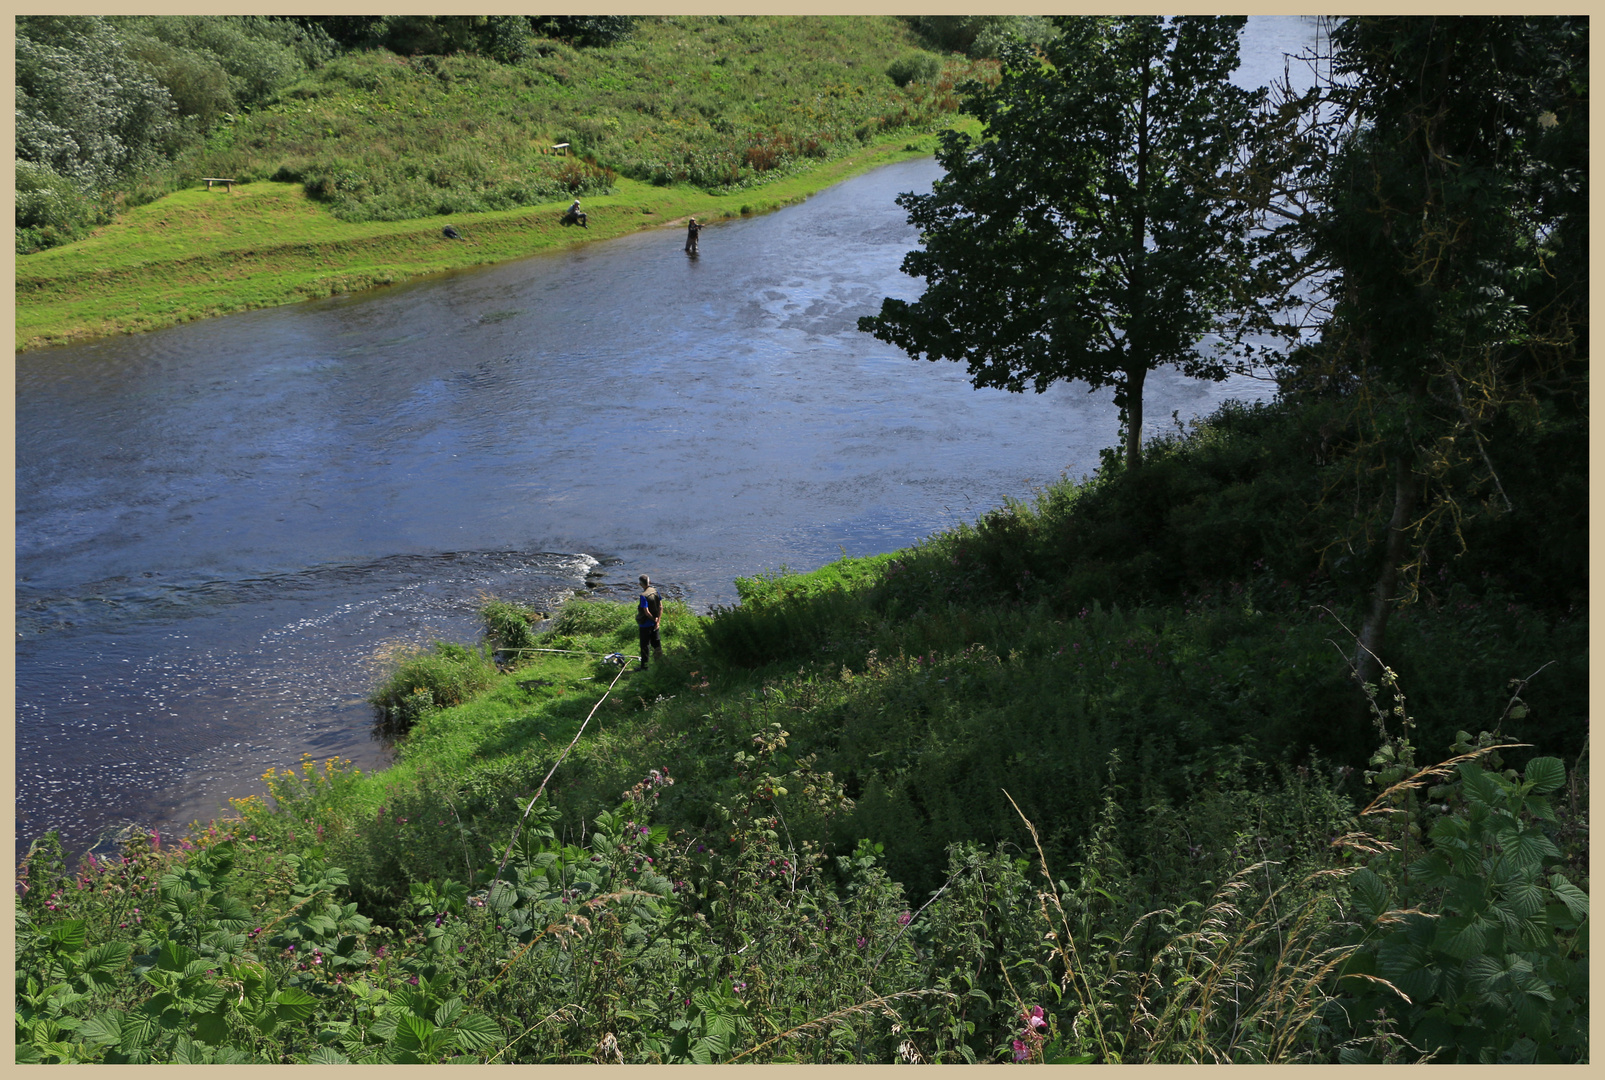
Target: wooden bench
[[226, 181]]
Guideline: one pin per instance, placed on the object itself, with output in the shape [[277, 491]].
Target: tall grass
[[428, 679], [722, 103]]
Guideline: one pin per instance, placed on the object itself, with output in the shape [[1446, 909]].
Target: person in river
[[576, 215], [691, 232], [648, 617]]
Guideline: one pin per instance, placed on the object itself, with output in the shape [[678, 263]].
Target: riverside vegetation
[[1082, 781], [351, 159], [1092, 779]]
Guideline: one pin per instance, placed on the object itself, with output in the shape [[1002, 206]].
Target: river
[[224, 529]]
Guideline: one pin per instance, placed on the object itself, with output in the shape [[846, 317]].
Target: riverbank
[[199, 254], [818, 828]]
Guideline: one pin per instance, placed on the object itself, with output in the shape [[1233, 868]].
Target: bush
[[914, 67], [431, 679], [84, 107], [256, 55], [509, 625], [980, 36], [592, 618], [52, 209]]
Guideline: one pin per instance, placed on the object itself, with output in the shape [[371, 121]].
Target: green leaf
[[202, 998], [327, 1055], [476, 1032], [1370, 893], [1478, 786], [138, 1029], [1545, 774], [292, 1003], [414, 1033], [175, 957], [448, 1012], [103, 961], [1460, 937], [68, 935], [186, 1052], [1528, 848], [1575, 899], [1525, 898], [105, 1029], [1482, 972], [212, 1026]]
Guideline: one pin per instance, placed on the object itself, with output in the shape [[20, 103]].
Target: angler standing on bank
[[648, 617]]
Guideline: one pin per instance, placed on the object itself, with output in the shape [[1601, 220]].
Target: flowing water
[[225, 529]]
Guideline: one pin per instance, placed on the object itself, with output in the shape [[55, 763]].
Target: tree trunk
[[1138, 284], [1134, 380], [1368, 652]]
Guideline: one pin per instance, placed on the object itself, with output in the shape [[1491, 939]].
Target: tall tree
[[1085, 235], [1451, 220]]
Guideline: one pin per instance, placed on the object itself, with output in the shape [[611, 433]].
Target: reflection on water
[[224, 528]]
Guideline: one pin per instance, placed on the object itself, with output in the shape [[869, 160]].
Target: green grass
[[352, 174], [839, 822], [1024, 651]]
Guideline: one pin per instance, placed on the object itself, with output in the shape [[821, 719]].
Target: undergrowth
[[944, 805]]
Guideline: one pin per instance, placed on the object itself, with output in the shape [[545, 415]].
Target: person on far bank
[[648, 617], [576, 215], [691, 232]]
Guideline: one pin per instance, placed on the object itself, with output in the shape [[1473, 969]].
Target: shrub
[[430, 679], [914, 67], [592, 618], [52, 209], [508, 625]]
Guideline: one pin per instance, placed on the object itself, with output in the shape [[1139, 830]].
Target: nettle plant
[[1473, 943]]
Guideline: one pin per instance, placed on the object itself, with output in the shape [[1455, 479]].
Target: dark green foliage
[[981, 35], [255, 55], [584, 30], [1452, 202], [1086, 235], [504, 38], [1478, 937]]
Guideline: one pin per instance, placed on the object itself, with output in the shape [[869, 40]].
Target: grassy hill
[[349, 176]]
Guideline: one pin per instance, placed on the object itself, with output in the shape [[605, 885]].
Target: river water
[[226, 528]]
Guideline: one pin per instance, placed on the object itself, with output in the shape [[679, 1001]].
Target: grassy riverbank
[[817, 830], [198, 254], [350, 174]]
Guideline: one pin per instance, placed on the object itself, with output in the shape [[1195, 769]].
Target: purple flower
[[1021, 1051], [1035, 1020], [903, 919], [862, 942]]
